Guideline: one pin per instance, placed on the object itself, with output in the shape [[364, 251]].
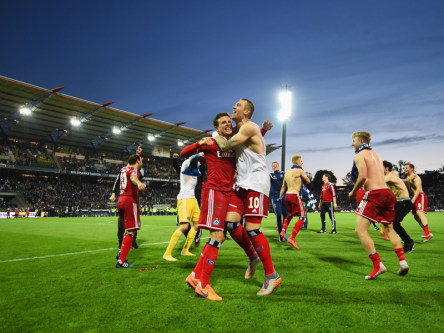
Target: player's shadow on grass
[[344, 264]]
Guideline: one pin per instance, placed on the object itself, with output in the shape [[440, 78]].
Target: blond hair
[[295, 158], [364, 136]]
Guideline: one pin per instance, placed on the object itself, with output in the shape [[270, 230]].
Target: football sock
[[240, 236], [296, 228], [400, 253], [262, 247], [173, 241], [376, 263], [126, 247], [286, 222], [426, 229], [190, 239], [209, 261], [198, 269]]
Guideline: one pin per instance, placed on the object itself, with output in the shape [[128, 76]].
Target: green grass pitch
[[58, 275]]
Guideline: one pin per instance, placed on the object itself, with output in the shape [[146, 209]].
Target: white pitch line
[[72, 253], [83, 252]]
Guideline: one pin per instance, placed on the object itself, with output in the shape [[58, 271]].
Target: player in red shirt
[[328, 203], [128, 205], [216, 194]]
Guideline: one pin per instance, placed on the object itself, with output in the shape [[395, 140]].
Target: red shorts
[[213, 210], [295, 206], [420, 204], [129, 213], [248, 203], [378, 206]]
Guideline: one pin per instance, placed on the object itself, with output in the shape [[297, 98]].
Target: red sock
[[400, 253], [296, 228], [126, 247], [241, 237], [262, 247], [376, 263], [286, 222], [208, 262], [198, 269], [426, 229]]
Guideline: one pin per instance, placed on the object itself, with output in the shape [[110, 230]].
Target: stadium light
[[285, 99], [151, 137], [179, 143], [75, 122], [116, 130], [25, 110]]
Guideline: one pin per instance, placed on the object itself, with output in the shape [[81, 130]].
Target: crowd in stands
[[59, 192], [34, 154]]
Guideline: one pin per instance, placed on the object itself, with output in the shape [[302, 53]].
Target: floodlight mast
[[285, 113]]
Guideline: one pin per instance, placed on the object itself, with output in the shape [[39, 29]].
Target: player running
[[295, 207], [378, 204], [420, 201]]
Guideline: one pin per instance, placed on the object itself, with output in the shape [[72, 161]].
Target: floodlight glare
[[75, 122], [151, 137], [116, 130], [180, 143], [25, 110], [285, 100], [283, 116]]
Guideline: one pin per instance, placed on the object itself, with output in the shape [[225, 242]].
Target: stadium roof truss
[[53, 111]]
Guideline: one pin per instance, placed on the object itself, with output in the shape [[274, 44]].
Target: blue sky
[[351, 65]]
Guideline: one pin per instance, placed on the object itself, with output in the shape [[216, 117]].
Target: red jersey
[[328, 192], [221, 165], [127, 188], [360, 194]]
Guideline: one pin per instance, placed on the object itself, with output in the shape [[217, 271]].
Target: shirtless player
[[378, 204], [419, 208], [402, 206], [295, 207]]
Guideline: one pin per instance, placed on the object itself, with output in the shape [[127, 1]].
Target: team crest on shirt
[[216, 221], [189, 218]]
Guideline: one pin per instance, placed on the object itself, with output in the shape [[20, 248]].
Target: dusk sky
[[351, 65]]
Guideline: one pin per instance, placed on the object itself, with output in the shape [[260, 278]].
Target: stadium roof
[[53, 111]]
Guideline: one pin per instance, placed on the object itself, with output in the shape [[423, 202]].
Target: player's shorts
[[188, 210], [295, 206], [129, 213], [214, 209], [420, 204], [378, 206], [248, 203], [402, 208]]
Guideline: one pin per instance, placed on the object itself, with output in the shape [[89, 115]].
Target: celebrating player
[[252, 186], [128, 205], [377, 205], [295, 207], [420, 201], [402, 206]]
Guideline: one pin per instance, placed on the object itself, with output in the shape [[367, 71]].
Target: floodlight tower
[[285, 100]]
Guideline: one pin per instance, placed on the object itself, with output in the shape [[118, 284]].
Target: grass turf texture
[[77, 289]]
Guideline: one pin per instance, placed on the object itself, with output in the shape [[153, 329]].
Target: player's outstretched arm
[[245, 132], [193, 149]]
